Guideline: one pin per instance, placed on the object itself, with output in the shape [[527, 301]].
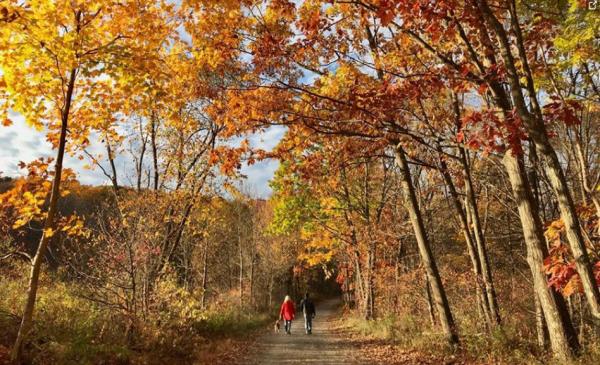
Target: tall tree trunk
[[563, 338], [204, 275], [139, 166], [537, 131], [540, 324], [359, 281], [473, 212], [241, 277], [153, 131], [49, 225], [430, 307], [437, 288], [369, 290], [591, 190], [113, 168], [271, 285], [472, 215], [471, 249], [251, 289]]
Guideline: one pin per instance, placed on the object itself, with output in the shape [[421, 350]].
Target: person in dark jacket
[[308, 308]]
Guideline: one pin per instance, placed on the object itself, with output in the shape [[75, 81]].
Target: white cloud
[[259, 174], [20, 142], [23, 143]]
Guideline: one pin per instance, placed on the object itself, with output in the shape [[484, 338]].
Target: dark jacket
[[308, 307]]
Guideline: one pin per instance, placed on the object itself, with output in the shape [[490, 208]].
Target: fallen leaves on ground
[[226, 350], [379, 351]]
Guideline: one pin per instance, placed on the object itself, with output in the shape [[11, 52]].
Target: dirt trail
[[326, 345]]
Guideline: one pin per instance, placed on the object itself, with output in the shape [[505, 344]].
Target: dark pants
[[308, 322], [288, 326]]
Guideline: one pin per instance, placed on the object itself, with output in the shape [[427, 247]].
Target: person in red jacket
[[287, 313]]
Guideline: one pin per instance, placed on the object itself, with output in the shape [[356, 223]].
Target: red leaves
[[312, 22], [562, 275], [386, 11], [228, 158], [562, 111], [491, 132], [560, 265]]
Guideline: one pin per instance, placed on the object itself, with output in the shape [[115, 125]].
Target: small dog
[[277, 326]]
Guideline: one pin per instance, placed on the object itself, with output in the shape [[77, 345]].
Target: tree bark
[[49, 225], [473, 213], [251, 289], [153, 130], [437, 288], [430, 308], [271, 285], [591, 190], [113, 168], [537, 131], [140, 163], [241, 277], [204, 274], [369, 290], [473, 253], [563, 339], [540, 324]]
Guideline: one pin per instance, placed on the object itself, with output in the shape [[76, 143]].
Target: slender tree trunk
[[473, 253], [113, 168], [49, 225], [430, 307], [563, 338], [204, 275], [542, 328], [537, 131], [473, 213], [540, 324], [573, 229], [241, 277], [591, 190], [369, 290], [271, 285], [251, 293], [359, 281], [437, 288], [140, 163], [153, 130]]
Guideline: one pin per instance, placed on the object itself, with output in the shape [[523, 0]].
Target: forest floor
[[327, 345], [331, 343]]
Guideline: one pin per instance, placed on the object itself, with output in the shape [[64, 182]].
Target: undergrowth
[[69, 329], [500, 346]]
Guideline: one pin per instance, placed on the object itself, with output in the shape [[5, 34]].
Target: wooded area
[[440, 165]]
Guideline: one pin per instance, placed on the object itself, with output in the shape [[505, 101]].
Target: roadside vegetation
[[438, 169]]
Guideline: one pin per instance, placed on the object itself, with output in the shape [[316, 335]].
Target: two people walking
[[288, 313]]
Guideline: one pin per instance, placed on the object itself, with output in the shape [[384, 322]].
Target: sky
[[20, 142]]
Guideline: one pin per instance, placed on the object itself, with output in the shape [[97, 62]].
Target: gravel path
[[326, 345]]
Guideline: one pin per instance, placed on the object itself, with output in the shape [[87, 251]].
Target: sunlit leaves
[[560, 264], [26, 202]]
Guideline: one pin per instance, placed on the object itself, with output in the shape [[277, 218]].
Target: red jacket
[[287, 312]]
